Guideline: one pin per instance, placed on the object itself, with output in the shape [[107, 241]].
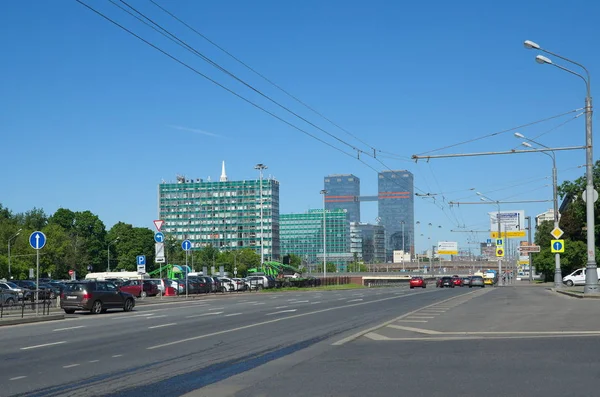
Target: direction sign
[[447, 248], [530, 248], [499, 241], [557, 246], [499, 252], [37, 240], [159, 224], [140, 260], [159, 252], [159, 237], [556, 232], [186, 245]]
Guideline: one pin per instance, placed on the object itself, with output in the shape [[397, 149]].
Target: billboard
[[447, 248], [512, 224]]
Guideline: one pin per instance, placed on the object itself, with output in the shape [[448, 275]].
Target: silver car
[[476, 281], [10, 287]]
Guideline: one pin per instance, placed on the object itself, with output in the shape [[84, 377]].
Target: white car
[[575, 278]]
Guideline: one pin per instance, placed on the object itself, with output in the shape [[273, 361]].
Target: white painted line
[[314, 303], [18, 377], [71, 366], [153, 317], [281, 311], [44, 345], [411, 329], [301, 302], [117, 355], [418, 317], [233, 314], [64, 329], [341, 299], [259, 303], [133, 316], [354, 300], [281, 307], [203, 314], [216, 308], [162, 325], [93, 361], [226, 331], [374, 336], [291, 300], [412, 321]]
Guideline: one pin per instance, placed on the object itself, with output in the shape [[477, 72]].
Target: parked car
[[8, 297], [49, 291], [446, 281], [258, 282], [417, 282], [225, 284], [477, 281], [239, 284], [95, 296], [134, 287], [10, 286]]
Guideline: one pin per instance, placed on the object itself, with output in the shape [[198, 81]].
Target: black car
[[95, 296], [446, 281]]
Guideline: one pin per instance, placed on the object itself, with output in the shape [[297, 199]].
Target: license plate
[[71, 297]]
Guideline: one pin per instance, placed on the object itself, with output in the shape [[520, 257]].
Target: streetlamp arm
[[588, 81]]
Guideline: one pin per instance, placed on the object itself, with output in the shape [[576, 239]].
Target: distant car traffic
[[445, 281], [95, 296], [477, 281], [457, 281], [417, 282], [466, 281]]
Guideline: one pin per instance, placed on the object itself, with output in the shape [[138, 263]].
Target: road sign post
[[37, 240], [186, 245]]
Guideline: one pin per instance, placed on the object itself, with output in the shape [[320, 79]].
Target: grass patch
[[321, 288]]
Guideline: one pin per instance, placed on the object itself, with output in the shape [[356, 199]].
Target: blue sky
[[93, 119]]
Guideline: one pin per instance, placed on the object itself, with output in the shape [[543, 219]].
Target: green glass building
[[224, 214], [302, 235]]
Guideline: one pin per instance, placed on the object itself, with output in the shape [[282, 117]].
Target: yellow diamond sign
[[556, 233]]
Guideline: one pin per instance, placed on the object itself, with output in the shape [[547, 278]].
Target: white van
[[575, 278]]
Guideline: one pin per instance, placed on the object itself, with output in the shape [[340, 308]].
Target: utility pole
[[529, 253]]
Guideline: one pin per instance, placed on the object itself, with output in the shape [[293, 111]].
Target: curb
[[28, 320], [575, 294]]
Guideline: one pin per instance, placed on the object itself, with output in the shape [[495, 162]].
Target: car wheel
[[412, 287], [96, 307], [143, 294], [69, 311], [10, 302], [424, 286], [128, 306], [569, 283]]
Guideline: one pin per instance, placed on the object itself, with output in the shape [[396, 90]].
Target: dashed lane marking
[[162, 325], [44, 345], [203, 314], [71, 365], [18, 377]]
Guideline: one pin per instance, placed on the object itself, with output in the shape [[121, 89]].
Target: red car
[[134, 288], [417, 282], [457, 281]]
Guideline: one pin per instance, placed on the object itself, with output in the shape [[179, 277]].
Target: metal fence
[[11, 305]]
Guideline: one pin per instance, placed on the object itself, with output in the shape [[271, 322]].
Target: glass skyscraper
[[396, 207], [343, 192]]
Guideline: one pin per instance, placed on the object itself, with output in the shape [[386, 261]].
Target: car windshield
[[12, 285], [75, 287]]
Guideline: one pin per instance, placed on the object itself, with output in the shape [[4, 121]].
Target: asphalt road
[[175, 348]]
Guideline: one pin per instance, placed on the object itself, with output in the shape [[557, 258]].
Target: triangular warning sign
[[158, 224]]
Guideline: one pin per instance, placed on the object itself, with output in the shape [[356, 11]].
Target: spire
[[223, 174]]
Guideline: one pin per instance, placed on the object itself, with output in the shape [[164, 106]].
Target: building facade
[[368, 241], [343, 192], [302, 235], [544, 216], [224, 214], [396, 207]]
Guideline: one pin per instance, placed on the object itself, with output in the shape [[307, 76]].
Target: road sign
[[530, 248], [499, 252], [37, 240], [489, 240], [556, 232], [31, 273], [499, 241], [141, 268], [159, 253], [557, 246], [594, 195], [141, 260], [159, 237], [71, 272], [511, 224], [159, 224], [447, 248], [186, 245]]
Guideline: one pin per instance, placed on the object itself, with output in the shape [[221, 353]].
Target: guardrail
[[11, 305]]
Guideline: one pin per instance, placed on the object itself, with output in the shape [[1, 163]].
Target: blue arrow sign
[[186, 245], [141, 259], [557, 246], [159, 237], [37, 240]]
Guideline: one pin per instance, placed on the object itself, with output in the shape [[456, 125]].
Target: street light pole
[[9, 240], [260, 168], [529, 254], [591, 271], [108, 253], [557, 270], [324, 192], [402, 222], [418, 223]]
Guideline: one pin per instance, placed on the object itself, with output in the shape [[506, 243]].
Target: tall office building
[[368, 241], [396, 207], [224, 214], [343, 192], [302, 234]]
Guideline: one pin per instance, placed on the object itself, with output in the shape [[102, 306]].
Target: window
[[111, 287], [100, 287]]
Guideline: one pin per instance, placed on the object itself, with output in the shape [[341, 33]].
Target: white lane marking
[[153, 317], [117, 355], [354, 300], [71, 365], [412, 329], [281, 307], [44, 345], [301, 302], [93, 361], [259, 303], [162, 325], [233, 314], [291, 300], [216, 308], [203, 314], [412, 321], [18, 377], [64, 329], [374, 336], [418, 317], [133, 316], [341, 299], [281, 311], [248, 302], [314, 303], [226, 331]]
